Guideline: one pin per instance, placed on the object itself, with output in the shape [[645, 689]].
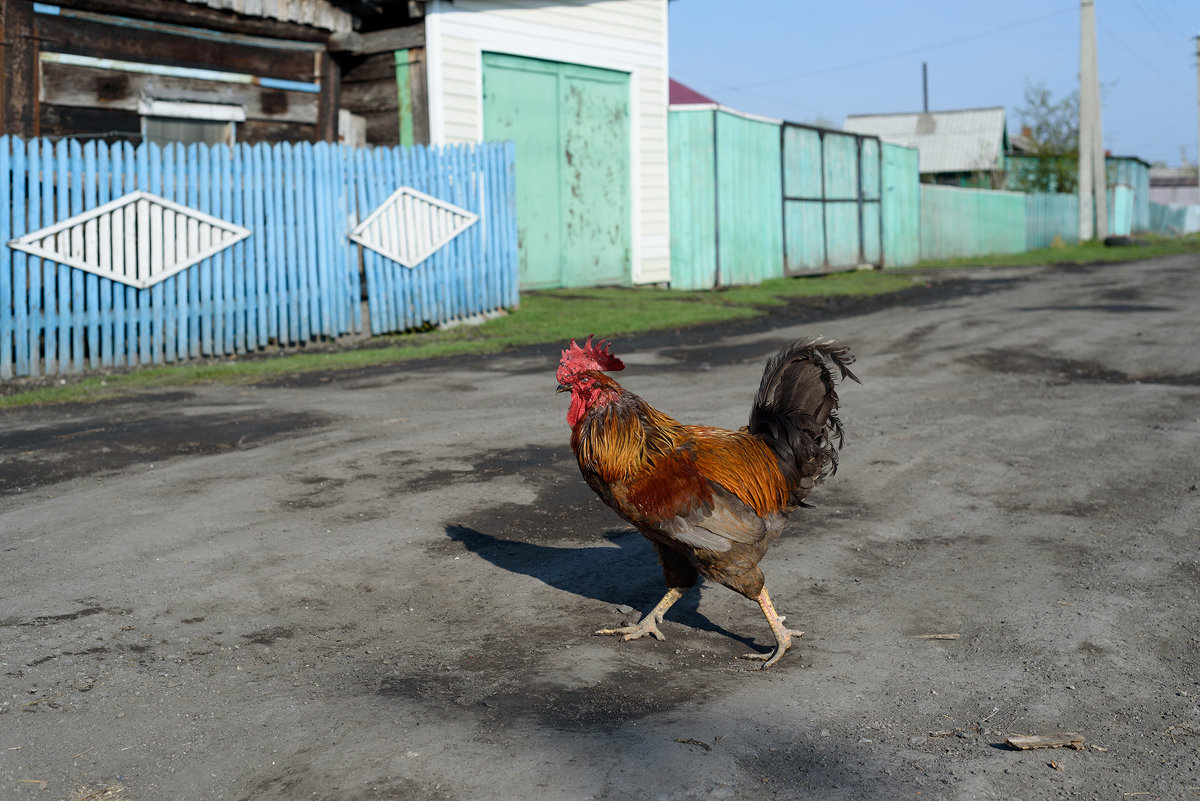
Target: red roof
[[686, 95]]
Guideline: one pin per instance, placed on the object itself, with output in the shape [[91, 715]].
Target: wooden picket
[[295, 279]]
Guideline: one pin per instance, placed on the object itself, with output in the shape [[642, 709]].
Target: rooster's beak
[[562, 388]]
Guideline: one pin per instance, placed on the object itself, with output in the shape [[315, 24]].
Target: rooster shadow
[[628, 574]]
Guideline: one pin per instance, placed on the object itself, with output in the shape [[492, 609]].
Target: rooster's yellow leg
[[783, 636], [649, 623]]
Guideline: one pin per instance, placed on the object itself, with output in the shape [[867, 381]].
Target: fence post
[[7, 182]]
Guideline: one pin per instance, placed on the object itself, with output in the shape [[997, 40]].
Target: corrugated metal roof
[[317, 13], [948, 141]]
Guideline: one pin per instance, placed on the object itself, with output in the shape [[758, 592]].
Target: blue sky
[[807, 61]]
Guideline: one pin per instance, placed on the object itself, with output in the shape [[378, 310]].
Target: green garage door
[[571, 128]]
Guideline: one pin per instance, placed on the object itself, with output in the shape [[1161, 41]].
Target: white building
[[581, 87]]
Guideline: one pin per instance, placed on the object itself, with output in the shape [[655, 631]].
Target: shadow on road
[[628, 574]]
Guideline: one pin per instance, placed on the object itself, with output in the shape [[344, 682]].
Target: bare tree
[[1053, 127]]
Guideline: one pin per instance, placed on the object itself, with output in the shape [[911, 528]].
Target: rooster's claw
[[773, 657], [646, 626], [649, 623]]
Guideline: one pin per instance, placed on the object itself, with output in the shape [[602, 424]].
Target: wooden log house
[[214, 70]]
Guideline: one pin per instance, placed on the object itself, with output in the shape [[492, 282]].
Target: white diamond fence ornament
[[138, 239], [410, 226]]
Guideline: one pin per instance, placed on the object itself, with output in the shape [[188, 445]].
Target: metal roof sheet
[[680, 93], [948, 141], [317, 13]]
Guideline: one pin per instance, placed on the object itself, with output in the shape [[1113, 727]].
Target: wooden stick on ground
[[1057, 739]]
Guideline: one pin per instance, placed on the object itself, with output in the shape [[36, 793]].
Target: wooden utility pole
[[1093, 190]]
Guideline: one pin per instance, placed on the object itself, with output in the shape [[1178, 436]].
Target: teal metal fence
[[901, 213], [753, 199], [959, 223], [294, 279], [1174, 220], [1121, 210], [1048, 216], [726, 197], [849, 200], [1056, 216], [749, 199], [691, 136], [1127, 171], [1134, 175]]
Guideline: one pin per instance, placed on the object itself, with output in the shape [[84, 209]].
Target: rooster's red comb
[[590, 357]]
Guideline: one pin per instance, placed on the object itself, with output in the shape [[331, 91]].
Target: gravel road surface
[[382, 584]]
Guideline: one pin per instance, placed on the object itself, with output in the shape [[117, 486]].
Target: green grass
[[1087, 253], [552, 316]]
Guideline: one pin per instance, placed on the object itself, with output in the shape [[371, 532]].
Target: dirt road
[[382, 584]]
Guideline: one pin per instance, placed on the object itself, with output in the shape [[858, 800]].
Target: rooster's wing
[[716, 525], [675, 499]]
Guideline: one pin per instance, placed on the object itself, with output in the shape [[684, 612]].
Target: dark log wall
[[19, 112], [62, 34], [369, 90], [46, 98], [355, 72]]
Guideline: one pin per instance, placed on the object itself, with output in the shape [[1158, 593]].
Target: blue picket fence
[[295, 279], [449, 284]]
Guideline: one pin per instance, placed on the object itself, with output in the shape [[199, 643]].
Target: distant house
[[1174, 186], [964, 147]]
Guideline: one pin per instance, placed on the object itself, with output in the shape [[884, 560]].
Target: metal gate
[[571, 127], [832, 211]]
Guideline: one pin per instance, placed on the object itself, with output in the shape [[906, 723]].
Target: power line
[[1170, 40], [1182, 21], [1169, 81], [1166, 130], [902, 53]]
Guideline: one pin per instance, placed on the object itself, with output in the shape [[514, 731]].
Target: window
[[165, 121]]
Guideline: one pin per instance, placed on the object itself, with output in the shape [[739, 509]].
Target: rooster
[[711, 501]]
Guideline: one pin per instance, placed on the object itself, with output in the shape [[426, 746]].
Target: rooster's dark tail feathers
[[795, 411]]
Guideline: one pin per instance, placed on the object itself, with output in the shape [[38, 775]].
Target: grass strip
[[553, 316], [549, 316]]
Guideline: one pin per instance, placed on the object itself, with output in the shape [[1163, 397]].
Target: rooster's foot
[[769, 659], [783, 635], [647, 625]]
